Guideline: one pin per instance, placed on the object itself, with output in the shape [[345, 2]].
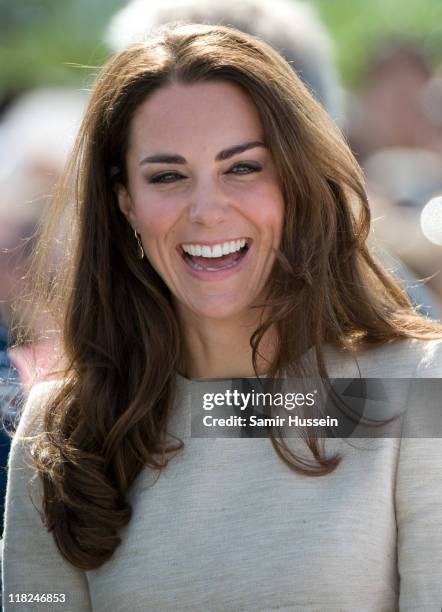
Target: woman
[[219, 225]]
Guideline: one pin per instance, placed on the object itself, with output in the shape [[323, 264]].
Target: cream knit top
[[228, 527]]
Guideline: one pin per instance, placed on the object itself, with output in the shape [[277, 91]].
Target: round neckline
[[186, 380]]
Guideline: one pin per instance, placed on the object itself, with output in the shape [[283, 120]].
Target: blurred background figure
[[396, 131], [9, 393], [399, 102], [36, 135]]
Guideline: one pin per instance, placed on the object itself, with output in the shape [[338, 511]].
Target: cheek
[[267, 210], [274, 211], [156, 218]]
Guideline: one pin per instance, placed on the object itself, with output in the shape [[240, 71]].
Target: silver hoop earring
[[140, 250]]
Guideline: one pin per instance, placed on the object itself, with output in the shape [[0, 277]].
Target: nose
[[208, 206]]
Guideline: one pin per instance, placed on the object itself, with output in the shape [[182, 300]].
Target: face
[[203, 194]]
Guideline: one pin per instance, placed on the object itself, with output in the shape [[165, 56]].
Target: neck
[[220, 348]]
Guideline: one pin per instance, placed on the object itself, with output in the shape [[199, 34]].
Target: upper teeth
[[216, 250]]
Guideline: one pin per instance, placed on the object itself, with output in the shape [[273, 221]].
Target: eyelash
[[158, 178]]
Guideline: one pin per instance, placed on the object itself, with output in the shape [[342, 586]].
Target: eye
[[166, 177], [245, 168]]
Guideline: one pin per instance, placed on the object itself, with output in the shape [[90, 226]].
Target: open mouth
[[217, 257]]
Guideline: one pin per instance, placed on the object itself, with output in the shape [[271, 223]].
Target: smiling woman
[[249, 259], [203, 193]]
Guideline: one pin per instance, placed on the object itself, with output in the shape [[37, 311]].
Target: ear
[[125, 204]]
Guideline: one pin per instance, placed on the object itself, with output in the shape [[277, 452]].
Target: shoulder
[[29, 428], [430, 364], [405, 358], [30, 418], [412, 357]]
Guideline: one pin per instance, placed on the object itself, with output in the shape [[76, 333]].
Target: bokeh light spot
[[431, 220]]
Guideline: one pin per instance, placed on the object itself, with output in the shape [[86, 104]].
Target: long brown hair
[[120, 334]]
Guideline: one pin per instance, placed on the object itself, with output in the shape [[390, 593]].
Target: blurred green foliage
[[360, 27], [41, 39]]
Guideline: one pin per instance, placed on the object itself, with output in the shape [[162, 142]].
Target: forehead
[[202, 116]]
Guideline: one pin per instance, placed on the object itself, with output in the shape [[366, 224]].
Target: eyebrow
[[166, 158]]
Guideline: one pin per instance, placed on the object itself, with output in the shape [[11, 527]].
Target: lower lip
[[216, 275]]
